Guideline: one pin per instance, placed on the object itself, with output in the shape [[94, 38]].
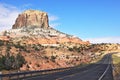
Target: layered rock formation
[[33, 26], [32, 18]]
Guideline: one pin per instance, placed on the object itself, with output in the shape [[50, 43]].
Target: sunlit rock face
[[31, 18]]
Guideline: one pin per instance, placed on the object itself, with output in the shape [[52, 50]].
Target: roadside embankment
[[116, 66]]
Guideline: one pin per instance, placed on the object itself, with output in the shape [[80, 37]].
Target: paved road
[[99, 71]]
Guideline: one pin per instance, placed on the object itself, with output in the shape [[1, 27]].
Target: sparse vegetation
[[11, 58], [37, 48], [1, 43], [70, 49], [9, 62], [116, 62], [18, 45], [53, 58], [46, 57]]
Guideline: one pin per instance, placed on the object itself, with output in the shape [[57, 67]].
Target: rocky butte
[[32, 18], [41, 45], [32, 27], [44, 47]]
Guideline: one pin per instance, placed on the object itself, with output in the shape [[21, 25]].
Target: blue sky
[[94, 20]]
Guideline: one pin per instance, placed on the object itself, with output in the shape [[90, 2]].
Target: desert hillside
[[34, 45]]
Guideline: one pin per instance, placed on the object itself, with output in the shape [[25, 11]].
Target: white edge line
[[104, 72]]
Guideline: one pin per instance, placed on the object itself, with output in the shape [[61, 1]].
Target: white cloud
[[104, 40], [54, 24], [53, 18], [8, 15]]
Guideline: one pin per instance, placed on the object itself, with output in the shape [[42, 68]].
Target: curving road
[[98, 71]]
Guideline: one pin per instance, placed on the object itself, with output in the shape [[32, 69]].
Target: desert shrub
[[67, 57], [53, 58], [46, 57], [22, 47], [1, 43], [70, 49], [19, 61], [37, 65], [28, 51], [37, 48], [9, 62], [2, 62], [52, 46]]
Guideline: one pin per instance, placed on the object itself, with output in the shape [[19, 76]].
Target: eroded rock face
[[32, 18], [37, 30]]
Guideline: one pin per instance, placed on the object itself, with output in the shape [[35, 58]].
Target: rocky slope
[[42, 46], [40, 57], [33, 27], [41, 36]]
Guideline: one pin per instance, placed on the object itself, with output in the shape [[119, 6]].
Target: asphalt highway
[[101, 70]]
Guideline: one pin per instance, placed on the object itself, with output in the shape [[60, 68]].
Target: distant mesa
[[31, 18]]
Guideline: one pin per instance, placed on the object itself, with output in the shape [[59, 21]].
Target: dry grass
[[116, 63]]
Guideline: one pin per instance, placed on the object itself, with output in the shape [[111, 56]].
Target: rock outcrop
[[32, 18], [32, 27]]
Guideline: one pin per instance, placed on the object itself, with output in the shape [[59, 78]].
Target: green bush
[[71, 49], [53, 58], [37, 48], [9, 62], [1, 43], [19, 61]]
